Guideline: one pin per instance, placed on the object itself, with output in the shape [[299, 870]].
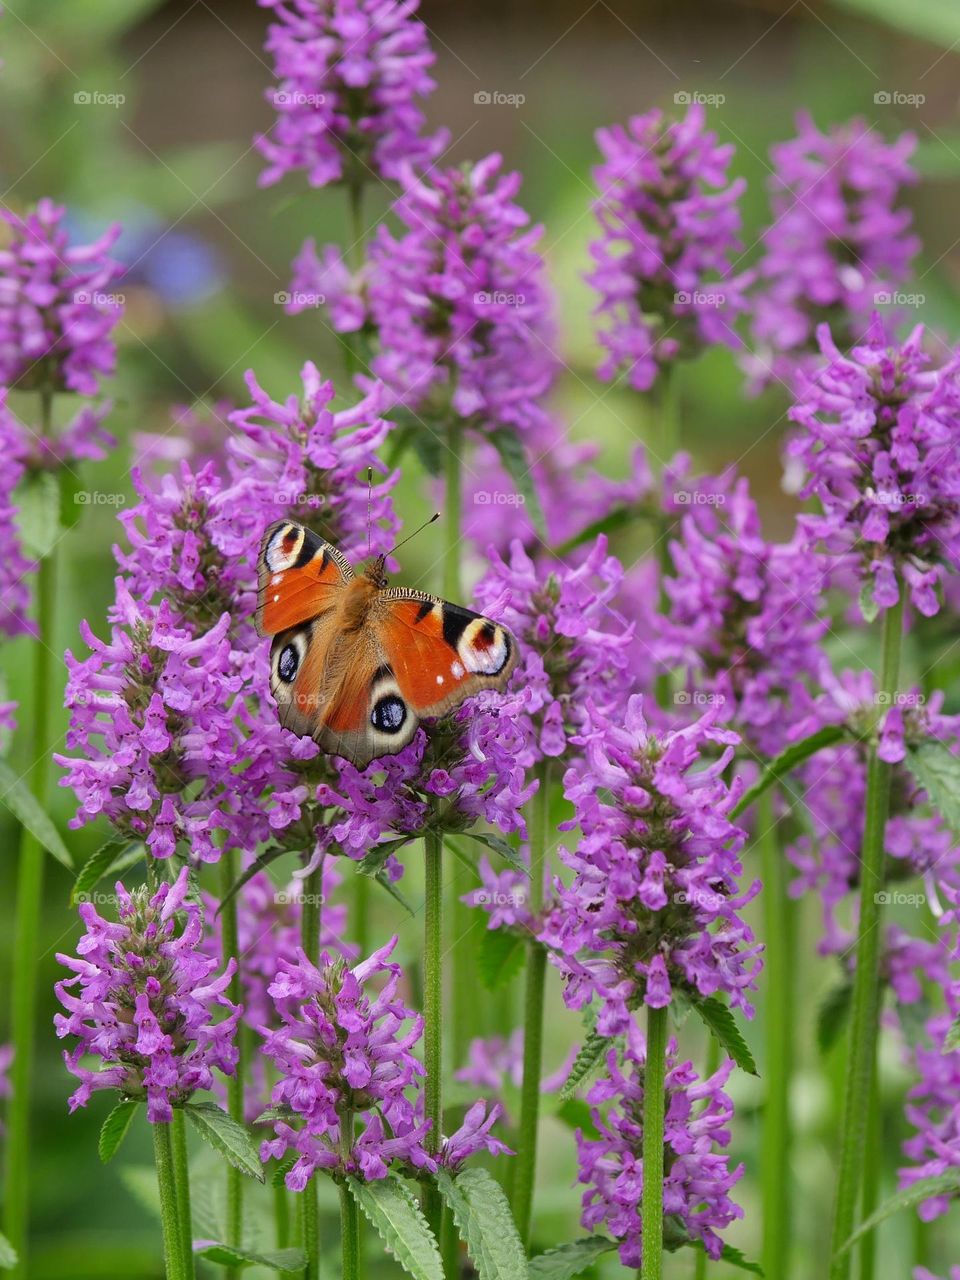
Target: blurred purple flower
[[697, 1178], [933, 1109], [880, 445], [669, 233], [837, 245], [146, 1003], [15, 569], [56, 305], [350, 73]]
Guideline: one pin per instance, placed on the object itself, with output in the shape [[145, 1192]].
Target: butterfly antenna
[[369, 512], [403, 541]]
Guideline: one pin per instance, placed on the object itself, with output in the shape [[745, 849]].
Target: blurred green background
[[173, 160]]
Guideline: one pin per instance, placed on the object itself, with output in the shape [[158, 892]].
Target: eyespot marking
[[389, 714], [288, 664]]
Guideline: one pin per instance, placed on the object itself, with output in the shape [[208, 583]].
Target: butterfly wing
[[438, 653], [301, 577]]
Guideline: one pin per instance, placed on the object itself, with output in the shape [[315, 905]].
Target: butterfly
[[357, 664]]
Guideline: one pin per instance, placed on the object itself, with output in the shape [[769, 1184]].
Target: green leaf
[[570, 1259], [228, 1255], [116, 855], [833, 1015], [951, 1040], [733, 1256], [500, 957], [722, 1023], [279, 1175], [616, 519], [37, 500], [576, 1114], [282, 1112], [482, 1214], [938, 772], [8, 1254], [30, 813], [514, 458], [925, 1189], [225, 1135], [391, 1207], [591, 1052], [868, 606], [114, 1128], [500, 846], [373, 861], [787, 760]]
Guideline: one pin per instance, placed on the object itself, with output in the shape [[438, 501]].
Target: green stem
[[310, 941], [281, 1216], [667, 410], [711, 1061], [654, 1102], [871, 1182], [526, 1162], [361, 912], [26, 935], [169, 1215], [433, 1012], [231, 951], [861, 1059], [181, 1169], [779, 968], [349, 1214]]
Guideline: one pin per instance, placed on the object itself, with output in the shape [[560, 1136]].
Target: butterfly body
[[357, 664]]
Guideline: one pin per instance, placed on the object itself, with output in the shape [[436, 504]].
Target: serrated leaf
[[501, 847], [482, 1214], [570, 1259], [788, 760], [590, 1053], [37, 500], [281, 1112], [513, 455], [373, 861], [916, 1193], [279, 1175], [500, 957], [228, 1255], [116, 855], [391, 1208], [30, 813], [114, 1128], [721, 1022], [951, 1040], [227, 1136], [8, 1254], [938, 772], [832, 1014], [576, 1114], [868, 606]]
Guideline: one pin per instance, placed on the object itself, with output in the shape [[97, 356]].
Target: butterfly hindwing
[[301, 577]]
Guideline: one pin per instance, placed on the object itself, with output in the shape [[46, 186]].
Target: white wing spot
[[457, 671], [439, 679], [277, 577], [276, 597]]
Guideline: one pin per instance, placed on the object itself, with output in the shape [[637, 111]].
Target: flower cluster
[[670, 224], [934, 1110], [880, 447], [653, 903], [349, 73], [838, 243], [15, 568], [143, 999], [697, 1179], [56, 308]]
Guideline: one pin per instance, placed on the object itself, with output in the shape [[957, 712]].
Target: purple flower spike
[[56, 305], [349, 75], [143, 999], [15, 569], [697, 1178], [654, 899], [670, 233]]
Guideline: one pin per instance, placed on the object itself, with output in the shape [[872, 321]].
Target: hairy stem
[[433, 1012], [181, 1170], [231, 951], [861, 1059], [654, 1102], [310, 941], [779, 964], [169, 1213], [349, 1214], [526, 1162]]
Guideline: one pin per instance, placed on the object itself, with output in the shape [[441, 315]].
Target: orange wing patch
[[301, 577]]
